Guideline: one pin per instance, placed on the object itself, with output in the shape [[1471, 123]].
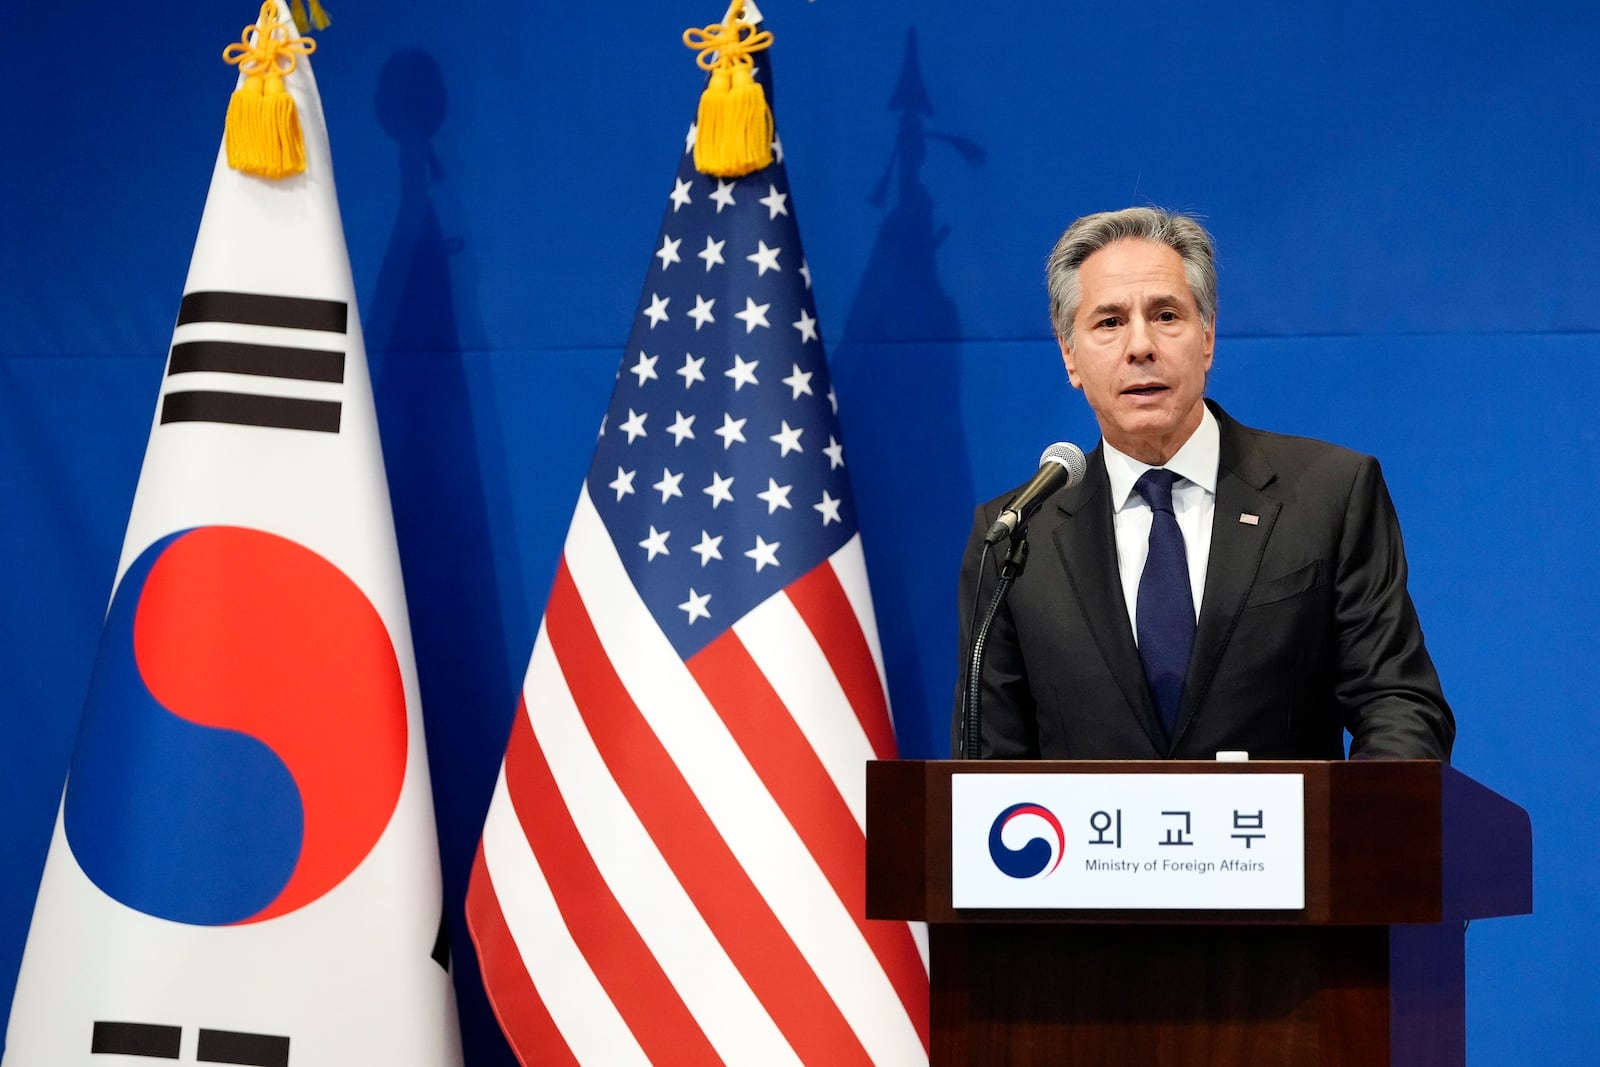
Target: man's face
[[1139, 351]]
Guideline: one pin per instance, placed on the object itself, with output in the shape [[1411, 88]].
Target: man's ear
[[1070, 362]]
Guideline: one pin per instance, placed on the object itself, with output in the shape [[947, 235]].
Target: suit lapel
[[1086, 545], [1241, 526]]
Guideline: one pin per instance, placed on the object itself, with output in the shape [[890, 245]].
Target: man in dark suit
[[1253, 599]]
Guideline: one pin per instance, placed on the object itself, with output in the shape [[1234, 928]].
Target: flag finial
[[734, 127], [262, 133]]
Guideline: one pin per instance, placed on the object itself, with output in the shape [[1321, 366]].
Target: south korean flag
[[244, 868]]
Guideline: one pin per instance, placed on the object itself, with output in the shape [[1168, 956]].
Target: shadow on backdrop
[[901, 352], [442, 457]]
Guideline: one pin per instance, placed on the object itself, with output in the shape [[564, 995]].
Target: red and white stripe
[[672, 868]]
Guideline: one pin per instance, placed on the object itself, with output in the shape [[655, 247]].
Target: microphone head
[[1068, 455]]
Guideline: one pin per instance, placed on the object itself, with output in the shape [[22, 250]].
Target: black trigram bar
[[136, 1039], [244, 409], [250, 1050], [268, 361], [257, 309]]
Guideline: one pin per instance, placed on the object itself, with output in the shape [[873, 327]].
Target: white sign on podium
[[1128, 841]]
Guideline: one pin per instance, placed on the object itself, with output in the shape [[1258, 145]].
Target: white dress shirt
[[1194, 502]]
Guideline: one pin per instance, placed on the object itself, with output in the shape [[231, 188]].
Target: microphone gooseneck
[[1061, 465]]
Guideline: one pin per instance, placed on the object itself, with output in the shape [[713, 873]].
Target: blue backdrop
[[1406, 200]]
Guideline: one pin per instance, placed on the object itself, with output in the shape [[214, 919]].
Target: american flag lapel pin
[[1249, 519]]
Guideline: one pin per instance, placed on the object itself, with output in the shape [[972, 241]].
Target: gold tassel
[[262, 134], [733, 131], [318, 19]]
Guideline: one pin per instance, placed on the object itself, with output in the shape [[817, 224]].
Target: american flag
[[672, 866]]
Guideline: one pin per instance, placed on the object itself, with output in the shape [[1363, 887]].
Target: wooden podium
[[1399, 856]]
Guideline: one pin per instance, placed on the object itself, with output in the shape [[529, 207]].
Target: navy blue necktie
[[1166, 605]]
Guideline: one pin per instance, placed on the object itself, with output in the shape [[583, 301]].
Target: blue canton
[[720, 471]]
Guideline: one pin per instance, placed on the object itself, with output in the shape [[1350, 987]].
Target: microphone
[[1061, 465]]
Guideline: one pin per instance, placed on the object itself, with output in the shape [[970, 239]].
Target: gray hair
[[1091, 233]]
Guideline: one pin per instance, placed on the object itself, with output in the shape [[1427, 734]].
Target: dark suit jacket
[[1306, 628]]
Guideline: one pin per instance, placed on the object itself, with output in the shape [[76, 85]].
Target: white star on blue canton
[[776, 496], [764, 554], [709, 548], [622, 483], [634, 426], [701, 313], [776, 202], [743, 373], [753, 315], [696, 606], [732, 430], [787, 439], [657, 311], [668, 485], [680, 194], [829, 507], [764, 258], [656, 543], [723, 196], [807, 325], [799, 381], [835, 453], [645, 368], [712, 253], [668, 252], [720, 489], [691, 369], [682, 428]]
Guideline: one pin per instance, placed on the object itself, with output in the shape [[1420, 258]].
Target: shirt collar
[[1196, 461]]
